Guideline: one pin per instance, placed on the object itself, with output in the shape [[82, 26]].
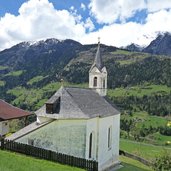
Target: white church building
[[78, 122]]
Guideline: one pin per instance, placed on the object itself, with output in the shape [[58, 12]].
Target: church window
[[104, 83], [90, 145], [95, 82], [109, 137]]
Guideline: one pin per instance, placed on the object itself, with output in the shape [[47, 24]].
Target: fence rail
[[48, 155]]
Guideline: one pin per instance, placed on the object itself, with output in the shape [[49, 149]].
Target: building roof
[[26, 130], [79, 103], [7, 111], [98, 59]]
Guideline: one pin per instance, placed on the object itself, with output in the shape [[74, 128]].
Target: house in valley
[[8, 113], [78, 122]]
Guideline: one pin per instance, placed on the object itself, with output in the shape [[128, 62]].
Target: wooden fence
[[48, 155]]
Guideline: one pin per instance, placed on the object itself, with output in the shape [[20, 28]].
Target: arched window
[[90, 145], [104, 83], [95, 82], [109, 137]]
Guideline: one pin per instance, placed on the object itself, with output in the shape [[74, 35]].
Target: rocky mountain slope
[[161, 45]]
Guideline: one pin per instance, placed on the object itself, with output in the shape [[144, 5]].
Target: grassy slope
[[15, 73], [139, 91], [132, 165], [3, 67], [147, 151], [16, 162], [35, 80], [2, 83]]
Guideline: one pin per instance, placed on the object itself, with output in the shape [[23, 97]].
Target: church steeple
[[98, 74], [98, 60]]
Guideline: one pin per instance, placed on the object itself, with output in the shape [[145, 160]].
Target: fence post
[[2, 143]]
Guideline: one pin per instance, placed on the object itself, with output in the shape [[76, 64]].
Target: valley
[[139, 84]]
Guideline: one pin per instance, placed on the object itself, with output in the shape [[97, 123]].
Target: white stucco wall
[[108, 156], [99, 127], [4, 127], [63, 136], [92, 127]]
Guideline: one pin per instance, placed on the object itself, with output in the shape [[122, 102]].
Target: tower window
[[95, 82]]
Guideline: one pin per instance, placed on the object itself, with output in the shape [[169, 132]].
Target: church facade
[[78, 122]]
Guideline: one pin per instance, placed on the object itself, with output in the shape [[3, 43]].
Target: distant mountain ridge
[[51, 60], [134, 47], [160, 46]]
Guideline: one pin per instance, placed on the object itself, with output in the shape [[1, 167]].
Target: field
[[146, 151], [16, 162]]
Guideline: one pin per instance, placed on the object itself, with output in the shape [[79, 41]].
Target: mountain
[[34, 65], [133, 48], [161, 45]]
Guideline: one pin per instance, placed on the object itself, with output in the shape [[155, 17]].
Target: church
[[78, 122]]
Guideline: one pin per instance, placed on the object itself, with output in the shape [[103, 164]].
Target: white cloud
[[157, 5], [108, 11], [131, 32], [89, 24], [38, 19], [72, 8], [83, 6]]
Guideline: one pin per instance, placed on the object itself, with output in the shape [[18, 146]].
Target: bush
[[162, 163]]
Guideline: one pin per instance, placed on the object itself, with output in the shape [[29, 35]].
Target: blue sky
[[117, 22]]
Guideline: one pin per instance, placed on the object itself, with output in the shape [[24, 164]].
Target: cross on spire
[[98, 40]]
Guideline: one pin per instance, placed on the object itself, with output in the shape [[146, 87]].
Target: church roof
[[7, 111], [98, 59], [79, 103]]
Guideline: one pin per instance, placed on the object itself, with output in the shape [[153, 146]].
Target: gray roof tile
[[80, 103]]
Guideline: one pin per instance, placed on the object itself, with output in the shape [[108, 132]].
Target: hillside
[[36, 64]]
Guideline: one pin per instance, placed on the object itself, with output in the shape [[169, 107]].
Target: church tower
[[98, 74]]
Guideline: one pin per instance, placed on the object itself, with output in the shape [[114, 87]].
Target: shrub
[[162, 163]]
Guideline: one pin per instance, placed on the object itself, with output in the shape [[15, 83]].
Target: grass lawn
[[146, 151], [16, 162], [132, 165]]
